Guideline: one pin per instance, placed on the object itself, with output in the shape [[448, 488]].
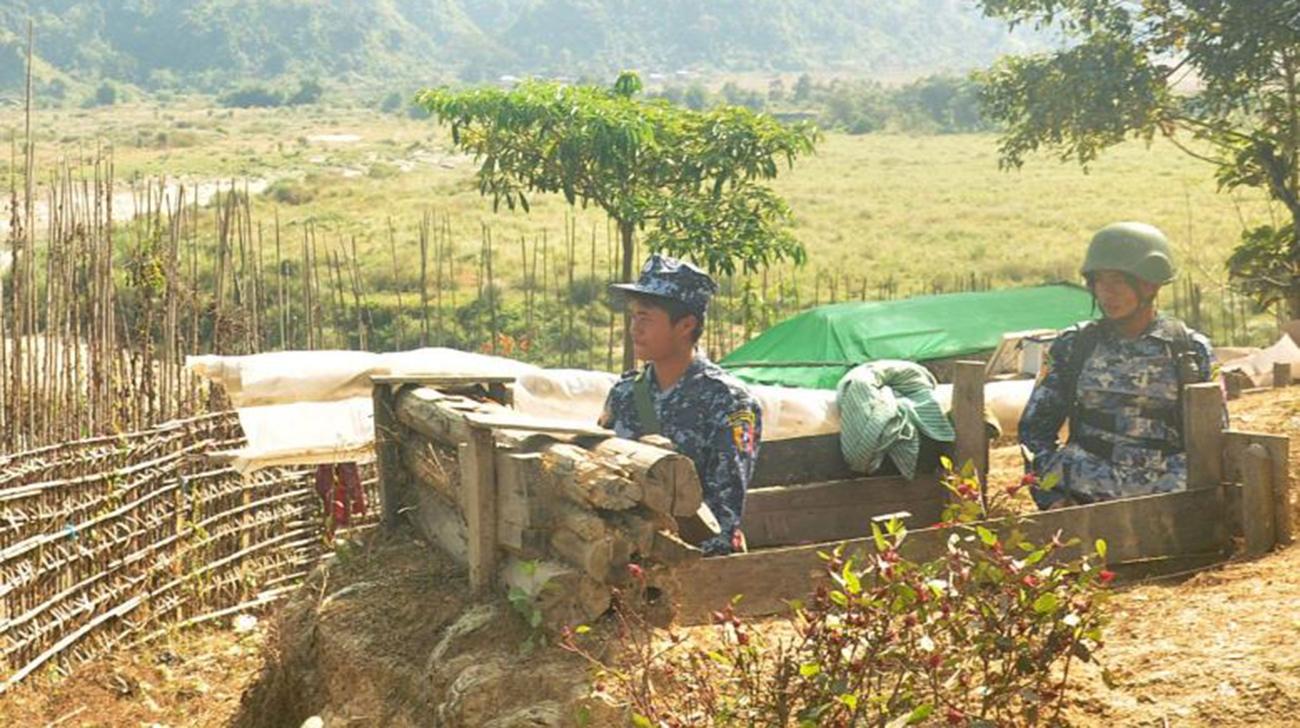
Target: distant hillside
[[213, 44]]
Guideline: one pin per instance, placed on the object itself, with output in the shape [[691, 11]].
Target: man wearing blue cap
[[706, 413]]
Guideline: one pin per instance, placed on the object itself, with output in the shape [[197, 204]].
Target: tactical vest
[[1134, 403]]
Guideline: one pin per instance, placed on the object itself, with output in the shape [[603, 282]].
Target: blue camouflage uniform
[[708, 415], [1127, 437]]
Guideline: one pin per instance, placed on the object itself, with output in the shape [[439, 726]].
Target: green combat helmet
[[1135, 248]]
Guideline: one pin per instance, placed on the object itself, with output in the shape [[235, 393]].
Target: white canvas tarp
[[305, 407]]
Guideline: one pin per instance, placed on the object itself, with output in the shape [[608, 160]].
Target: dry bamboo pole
[[591, 324], [491, 289], [306, 290], [314, 280], [611, 255], [424, 278], [400, 334], [356, 297], [281, 303]]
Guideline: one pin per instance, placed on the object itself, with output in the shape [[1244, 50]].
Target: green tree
[[1122, 74], [695, 176]]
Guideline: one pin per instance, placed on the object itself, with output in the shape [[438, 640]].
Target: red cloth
[[339, 487]]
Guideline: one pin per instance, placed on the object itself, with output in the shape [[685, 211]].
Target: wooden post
[[1203, 434], [478, 484], [1281, 374], [387, 455], [968, 418], [1257, 501], [1279, 458]]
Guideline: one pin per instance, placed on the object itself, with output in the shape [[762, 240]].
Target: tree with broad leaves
[[1218, 78], [694, 178]]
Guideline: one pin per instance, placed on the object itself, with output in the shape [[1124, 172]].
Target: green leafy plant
[[983, 634]]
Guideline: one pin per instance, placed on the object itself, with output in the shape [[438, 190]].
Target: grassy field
[[921, 211]]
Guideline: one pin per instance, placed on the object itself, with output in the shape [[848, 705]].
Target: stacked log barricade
[[114, 540], [558, 512], [524, 503]]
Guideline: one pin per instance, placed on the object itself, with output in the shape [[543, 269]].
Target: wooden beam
[[1203, 435], [388, 464], [1257, 501], [1282, 375], [1144, 529], [478, 488]]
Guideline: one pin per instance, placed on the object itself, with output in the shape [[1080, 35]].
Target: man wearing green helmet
[[1118, 381]]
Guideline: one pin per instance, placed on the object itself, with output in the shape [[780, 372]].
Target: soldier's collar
[[1160, 328]]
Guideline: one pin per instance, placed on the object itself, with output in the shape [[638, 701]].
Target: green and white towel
[[884, 408]]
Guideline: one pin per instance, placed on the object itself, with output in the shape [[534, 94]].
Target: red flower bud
[[636, 571], [1106, 576]]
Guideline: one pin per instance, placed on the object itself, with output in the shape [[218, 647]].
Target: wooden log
[[439, 522], [563, 595], [433, 414], [698, 526], [425, 466], [1203, 435], [1156, 532], [1281, 374], [968, 418], [595, 557], [573, 474], [669, 550], [1257, 501], [478, 488], [668, 479]]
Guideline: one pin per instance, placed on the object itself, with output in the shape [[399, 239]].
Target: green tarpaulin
[[829, 340]]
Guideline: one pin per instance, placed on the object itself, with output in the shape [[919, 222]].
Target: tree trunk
[[626, 231]]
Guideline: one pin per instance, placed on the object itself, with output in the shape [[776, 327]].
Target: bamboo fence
[[116, 539]]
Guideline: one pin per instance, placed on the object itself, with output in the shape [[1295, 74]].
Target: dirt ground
[[386, 636]]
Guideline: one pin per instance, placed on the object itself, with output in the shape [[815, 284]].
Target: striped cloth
[[884, 408]]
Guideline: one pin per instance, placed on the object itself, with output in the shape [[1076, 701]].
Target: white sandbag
[[306, 433], [1259, 365], [570, 395], [790, 412], [321, 376]]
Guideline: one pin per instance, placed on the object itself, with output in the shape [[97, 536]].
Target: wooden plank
[[478, 489], [516, 473], [1203, 435], [819, 512], [439, 522], [1257, 501], [1279, 456], [968, 419], [1135, 529], [811, 459], [387, 458]]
